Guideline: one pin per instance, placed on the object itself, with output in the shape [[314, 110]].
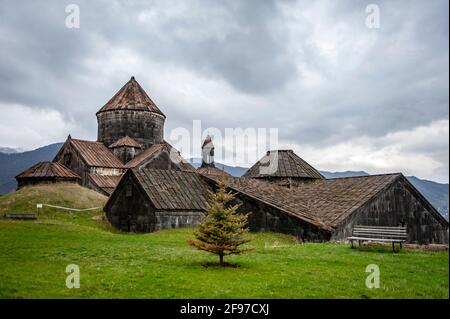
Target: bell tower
[[208, 152], [131, 113]]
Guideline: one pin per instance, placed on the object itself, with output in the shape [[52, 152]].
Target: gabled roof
[[331, 200], [95, 153], [145, 155], [273, 195], [173, 190], [48, 170], [105, 183], [131, 97], [321, 202], [153, 151], [285, 164], [125, 141]]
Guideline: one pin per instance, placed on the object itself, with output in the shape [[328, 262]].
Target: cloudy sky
[[342, 95]]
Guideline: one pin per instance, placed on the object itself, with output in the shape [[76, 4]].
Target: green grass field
[[34, 255]]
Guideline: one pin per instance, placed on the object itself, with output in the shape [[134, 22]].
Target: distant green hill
[[13, 163]]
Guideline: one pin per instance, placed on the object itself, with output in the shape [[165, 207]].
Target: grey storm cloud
[[310, 68], [40, 55]]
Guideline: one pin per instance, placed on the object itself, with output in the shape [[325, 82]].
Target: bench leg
[[400, 245], [393, 246], [359, 243], [351, 242]]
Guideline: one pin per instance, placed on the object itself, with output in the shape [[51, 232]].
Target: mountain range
[[14, 161], [10, 150]]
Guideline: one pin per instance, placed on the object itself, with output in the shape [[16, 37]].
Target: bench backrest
[[380, 232]]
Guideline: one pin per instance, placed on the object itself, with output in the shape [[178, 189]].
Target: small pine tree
[[222, 230]]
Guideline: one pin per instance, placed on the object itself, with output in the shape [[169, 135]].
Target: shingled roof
[[331, 200], [48, 170], [273, 195], [212, 171], [105, 182], [125, 141], [322, 202], [173, 190], [95, 153], [156, 149], [289, 165], [131, 97]]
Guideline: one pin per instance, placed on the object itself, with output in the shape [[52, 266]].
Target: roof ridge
[[144, 155], [125, 141], [361, 176], [81, 140]]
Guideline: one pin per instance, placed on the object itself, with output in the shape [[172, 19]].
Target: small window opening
[[129, 191]]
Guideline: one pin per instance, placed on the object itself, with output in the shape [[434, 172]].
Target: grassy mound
[[62, 194]]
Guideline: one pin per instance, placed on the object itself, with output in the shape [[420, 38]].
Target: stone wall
[[176, 219], [106, 171], [396, 206], [36, 181], [70, 158], [130, 210], [125, 153], [147, 128], [161, 161], [267, 218]]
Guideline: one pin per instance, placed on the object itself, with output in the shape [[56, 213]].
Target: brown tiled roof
[[48, 170], [131, 97], [173, 190], [153, 151], [290, 165], [125, 141], [95, 154], [322, 202], [212, 171], [105, 182], [145, 155]]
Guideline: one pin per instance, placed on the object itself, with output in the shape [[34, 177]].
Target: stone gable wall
[[68, 157], [397, 206]]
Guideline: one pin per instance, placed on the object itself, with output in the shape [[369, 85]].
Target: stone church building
[[151, 187], [130, 135]]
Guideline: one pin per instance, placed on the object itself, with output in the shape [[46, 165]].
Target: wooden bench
[[22, 216], [379, 234]]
